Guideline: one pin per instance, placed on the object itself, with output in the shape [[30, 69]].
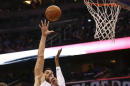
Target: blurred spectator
[[3, 84], [115, 84], [75, 31]]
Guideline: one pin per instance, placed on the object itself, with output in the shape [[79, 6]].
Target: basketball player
[[46, 78]]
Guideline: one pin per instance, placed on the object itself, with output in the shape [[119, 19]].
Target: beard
[[48, 80]]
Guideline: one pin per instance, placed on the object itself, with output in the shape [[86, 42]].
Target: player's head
[[48, 74]]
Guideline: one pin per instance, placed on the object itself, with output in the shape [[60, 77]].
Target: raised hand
[[54, 81], [44, 28], [57, 57]]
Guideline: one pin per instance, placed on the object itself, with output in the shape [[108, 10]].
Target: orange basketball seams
[[53, 13]]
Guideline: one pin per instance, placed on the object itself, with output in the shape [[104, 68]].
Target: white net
[[105, 14]]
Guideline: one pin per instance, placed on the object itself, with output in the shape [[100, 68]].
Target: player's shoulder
[[39, 79], [45, 83]]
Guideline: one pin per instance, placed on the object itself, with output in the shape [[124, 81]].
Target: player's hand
[[57, 57], [58, 54], [44, 28], [54, 81]]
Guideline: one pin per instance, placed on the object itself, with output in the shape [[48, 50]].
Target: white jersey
[[60, 78]]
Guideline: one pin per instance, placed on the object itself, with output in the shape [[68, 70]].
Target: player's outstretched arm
[[60, 77], [57, 58], [38, 70]]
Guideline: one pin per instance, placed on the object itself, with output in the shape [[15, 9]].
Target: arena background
[[81, 67]]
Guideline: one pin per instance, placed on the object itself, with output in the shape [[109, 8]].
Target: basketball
[[53, 13]]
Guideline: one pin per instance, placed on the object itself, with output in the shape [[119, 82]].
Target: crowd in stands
[[12, 42], [27, 77], [76, 31]]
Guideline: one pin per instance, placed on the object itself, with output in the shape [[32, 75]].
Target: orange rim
[[96, 4]]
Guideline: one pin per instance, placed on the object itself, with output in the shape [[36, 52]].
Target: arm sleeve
[[60, 78]]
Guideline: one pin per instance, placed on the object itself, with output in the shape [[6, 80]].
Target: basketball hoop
[[105, 14]]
